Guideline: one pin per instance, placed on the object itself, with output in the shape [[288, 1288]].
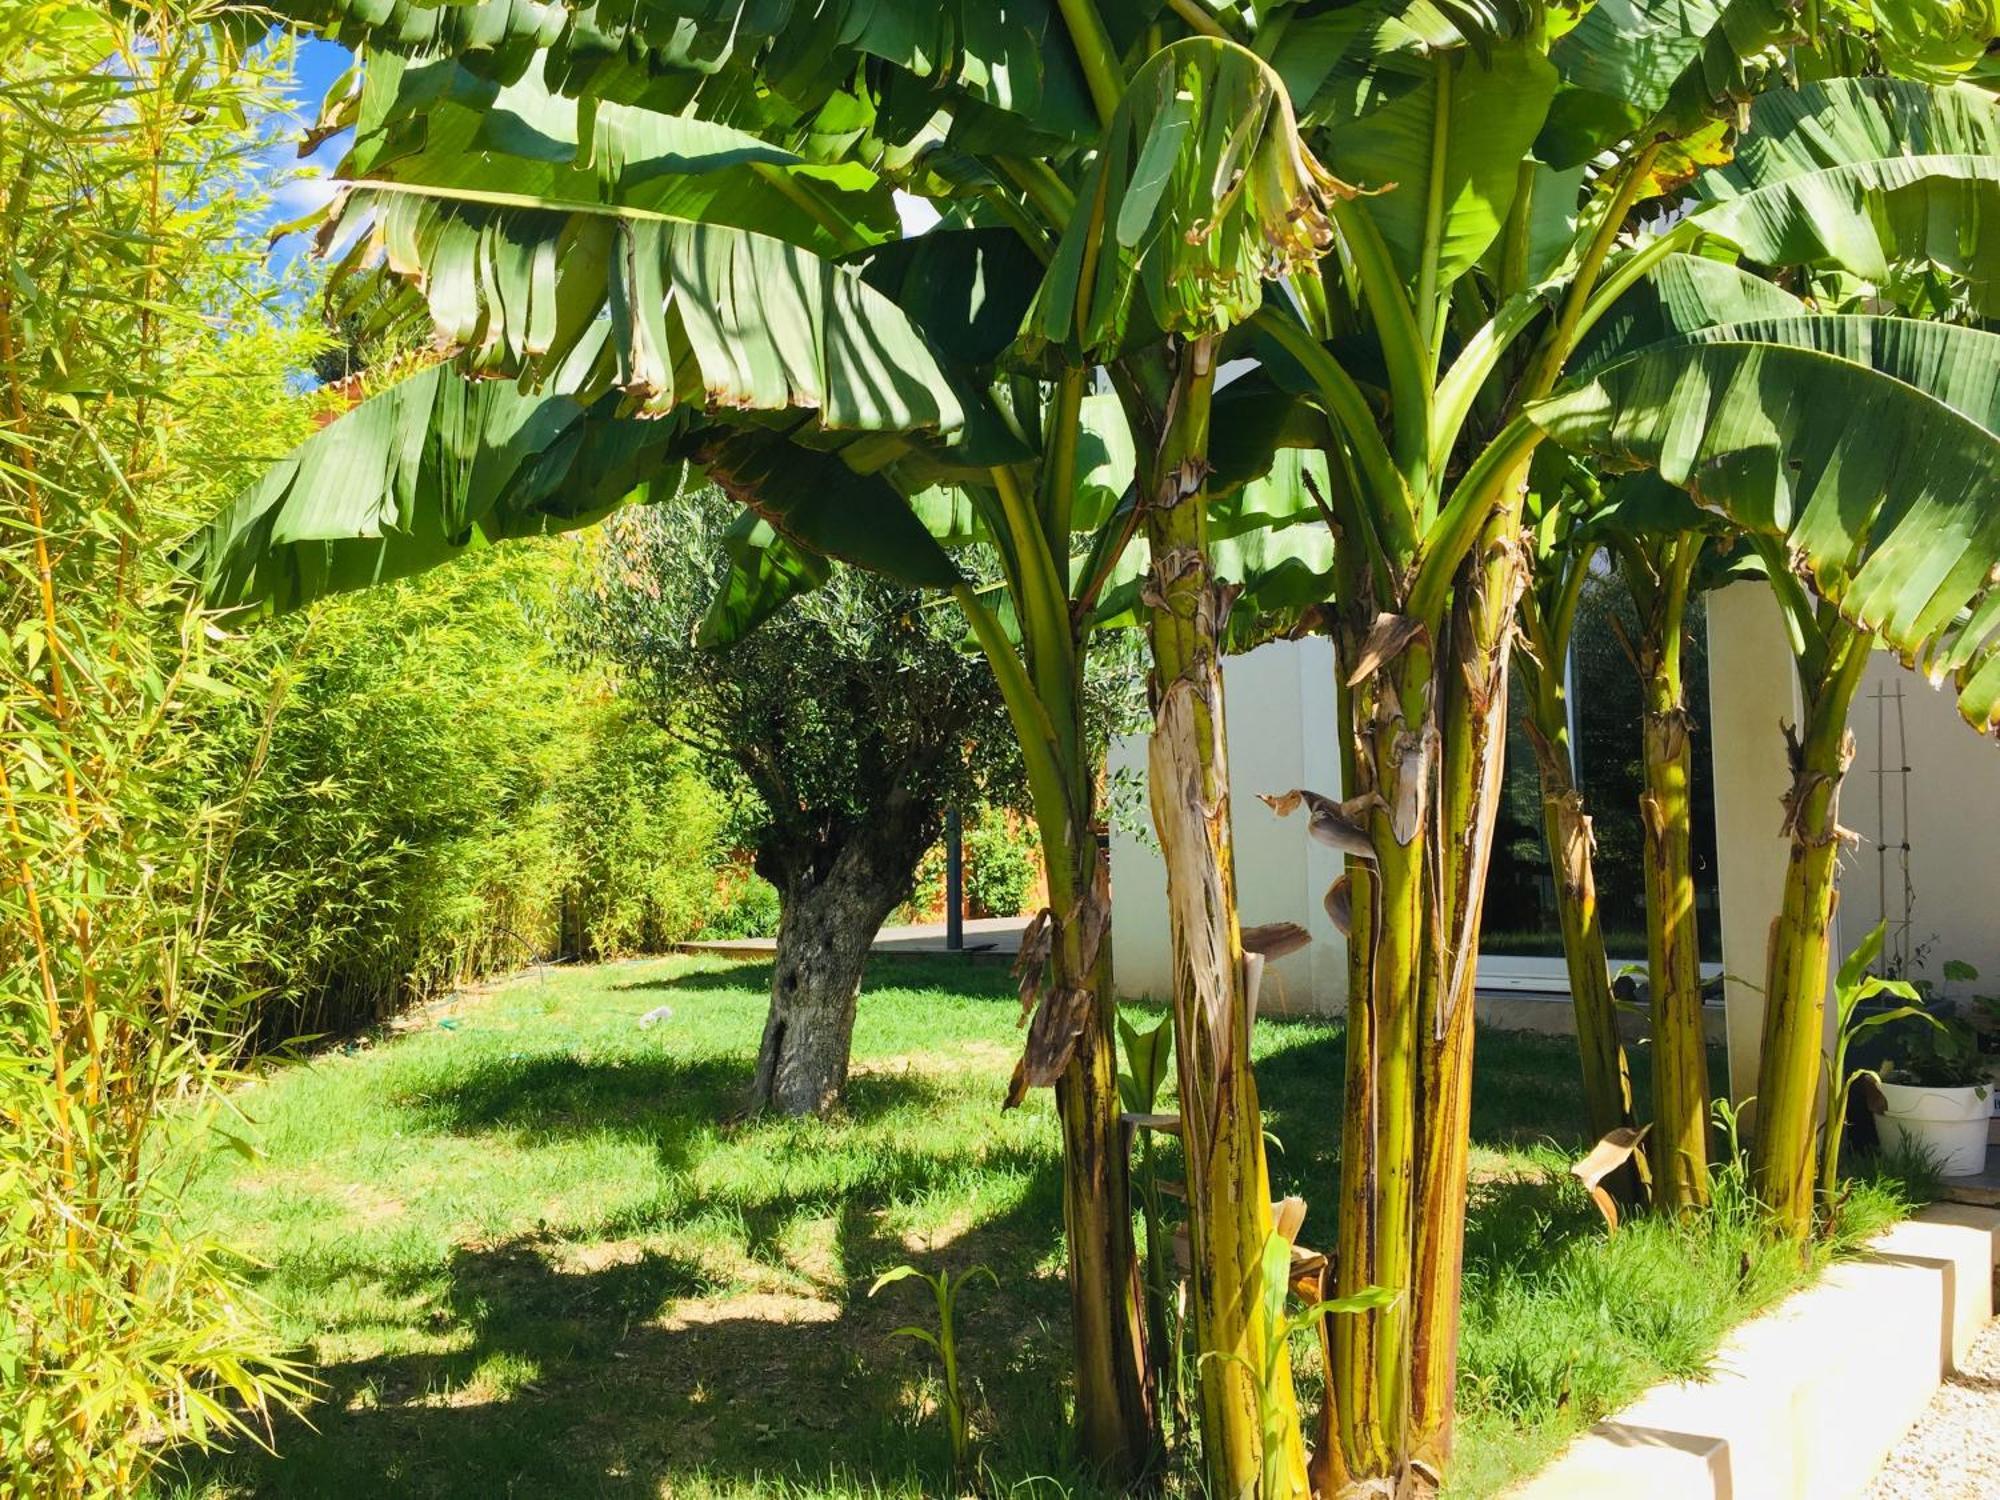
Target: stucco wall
[[1752, 688], [1278, 704], [1953, 787]]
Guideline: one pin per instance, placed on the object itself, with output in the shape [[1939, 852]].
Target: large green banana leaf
[[435, 466], [440, 127], [438, 465], [1869, 447], [1935, 40], [697, 314], [1442, 158], [1344, 61], [1865, 174], [1201, 191], [1683, 293], [1671, 63], [766, 568], [967, 289], [1015, 57]]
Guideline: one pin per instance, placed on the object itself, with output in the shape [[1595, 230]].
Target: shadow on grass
[[694, 1344], [568, 1378], [665, 1099], [966, 978], [691, 1344]]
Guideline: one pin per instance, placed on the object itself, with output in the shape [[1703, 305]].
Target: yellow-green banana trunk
[[1115, 1415], [1365, 1436], [1114, 1400], [1566, 827], [1474, 746], [1430, 735], [1789, 1070], [1228, 1190], [1680, 1050]]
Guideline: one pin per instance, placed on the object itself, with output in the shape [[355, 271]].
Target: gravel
[[1953, 1453]]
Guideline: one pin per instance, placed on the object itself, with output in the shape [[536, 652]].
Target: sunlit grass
[[533, 1254]]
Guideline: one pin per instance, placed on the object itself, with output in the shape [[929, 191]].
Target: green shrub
[[640, 828], [1001, 864], [442, 798], [745, 906]]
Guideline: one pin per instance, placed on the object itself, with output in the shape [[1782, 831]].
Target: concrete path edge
[[1803, 1402]]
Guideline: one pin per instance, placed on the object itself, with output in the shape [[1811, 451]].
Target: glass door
[[1521, 944]]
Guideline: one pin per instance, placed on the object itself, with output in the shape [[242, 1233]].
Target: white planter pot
[[1949, 1125]]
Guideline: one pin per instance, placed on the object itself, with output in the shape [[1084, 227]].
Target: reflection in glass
[[1604, 706]]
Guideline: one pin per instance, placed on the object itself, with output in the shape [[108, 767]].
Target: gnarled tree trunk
[[832, 902]]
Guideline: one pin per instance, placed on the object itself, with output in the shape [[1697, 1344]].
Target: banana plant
[[1853, 986], [644, 206], [1449, 337], [681, 224], [1861, 549], [1563, 559], [1147, 1056]]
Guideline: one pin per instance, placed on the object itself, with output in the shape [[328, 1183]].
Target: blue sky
[[305, 185]]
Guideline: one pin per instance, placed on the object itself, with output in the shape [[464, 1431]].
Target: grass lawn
[[529, 1259]]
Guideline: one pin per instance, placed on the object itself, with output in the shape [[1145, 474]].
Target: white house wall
[[1752, 687], [1279, 706], [1953, 787]]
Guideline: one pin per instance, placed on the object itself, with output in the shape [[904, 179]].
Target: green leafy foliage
[[945, 1291], [1865, 175], [1891, 515], [439, 798], [1201, 191], [1001, 864], [435, 466], [439, 125], [849, 701], [1853, 987], [1442, 158], [139, 368], [1672, 64]]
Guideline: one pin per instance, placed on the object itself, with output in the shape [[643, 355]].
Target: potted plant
[[1935, 1091]]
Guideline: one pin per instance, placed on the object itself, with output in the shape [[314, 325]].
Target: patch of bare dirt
[[976, 1056], [753, 1307]]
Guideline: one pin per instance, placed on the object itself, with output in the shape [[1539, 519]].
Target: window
[[1521, 944]]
